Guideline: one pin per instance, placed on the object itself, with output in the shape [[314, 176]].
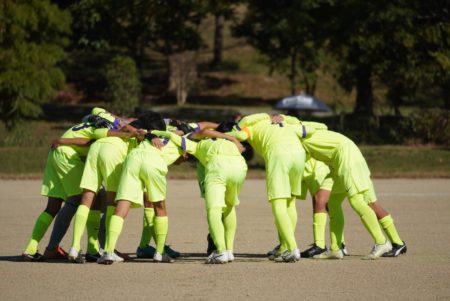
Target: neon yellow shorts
[[62, 173], [103, 164], [224, 176], [352, 170], [284, 171], [142, 169]]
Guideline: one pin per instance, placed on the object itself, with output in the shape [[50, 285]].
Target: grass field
[[384, 162]]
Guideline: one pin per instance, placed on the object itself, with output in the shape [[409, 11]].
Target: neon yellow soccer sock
[[109, 213], [283, 222], [292, 211], [161, 226], [230, 224], [40, 227], [319, 223], [387, 223], [79, 223], [368, 218], [147, 228], [114, 229], [336, 220], [92, 226], [216, 227]]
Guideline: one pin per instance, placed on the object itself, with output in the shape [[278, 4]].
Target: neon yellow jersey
[[82, 130], [206, 149], [263, 134], [170, 152], [124, 145]]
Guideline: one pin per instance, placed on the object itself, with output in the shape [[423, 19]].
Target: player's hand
[[239, 145], [158, 143], [55, 143], [162, 134], [277, 119]]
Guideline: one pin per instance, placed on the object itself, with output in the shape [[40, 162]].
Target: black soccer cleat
[[92, 257], [311, 252], [36, 257], [396, 250]]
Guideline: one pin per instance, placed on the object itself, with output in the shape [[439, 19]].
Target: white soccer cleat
[[287, 256], [75, 256], [330, 254], [162, 258], [106, 258], [230, 255], [217, 258], [379, 250]]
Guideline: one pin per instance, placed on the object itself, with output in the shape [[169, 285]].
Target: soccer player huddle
[[107, 164]]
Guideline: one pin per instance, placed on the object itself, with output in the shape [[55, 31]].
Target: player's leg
[[161, 228], [284, 227], [144, 250], [93, 230], [370, 221], [319, 200], [40, 228], [114, 230], [336, 227], [60, 227], [387, 223]]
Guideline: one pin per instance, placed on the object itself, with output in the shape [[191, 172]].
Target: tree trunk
[[364, 91], [293, 72], [218, 41]]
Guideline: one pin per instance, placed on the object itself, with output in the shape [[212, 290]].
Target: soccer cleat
[[287, 256], [379, 250], [330, 254], [146, 252], [122, 256], [117, 258], [396, 250], [162, 258], [75, 256], [217, 258], [36, 257], [106, 258], [92, 257], [313, 251], [344, 249], [171, 252], [274, 251], [230, 255], [56, 254]]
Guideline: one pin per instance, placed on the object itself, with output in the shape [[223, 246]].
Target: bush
[[123, 85], [429, 126]]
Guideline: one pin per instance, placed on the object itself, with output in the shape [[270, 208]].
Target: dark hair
[[150, 120], [99, 122], [248, 153], [226, 126]]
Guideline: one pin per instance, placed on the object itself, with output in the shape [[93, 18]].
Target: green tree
[[287, 33], [33, 35], [123, 85], [403, 44]]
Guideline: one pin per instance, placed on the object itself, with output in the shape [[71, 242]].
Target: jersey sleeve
[[252, 119], [290, 120], [184, 143]]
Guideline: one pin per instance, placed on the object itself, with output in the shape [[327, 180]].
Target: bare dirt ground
[[421, 209]]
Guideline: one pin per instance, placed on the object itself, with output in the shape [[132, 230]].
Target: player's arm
[[71, 141], [214, 134], [185, 144]]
